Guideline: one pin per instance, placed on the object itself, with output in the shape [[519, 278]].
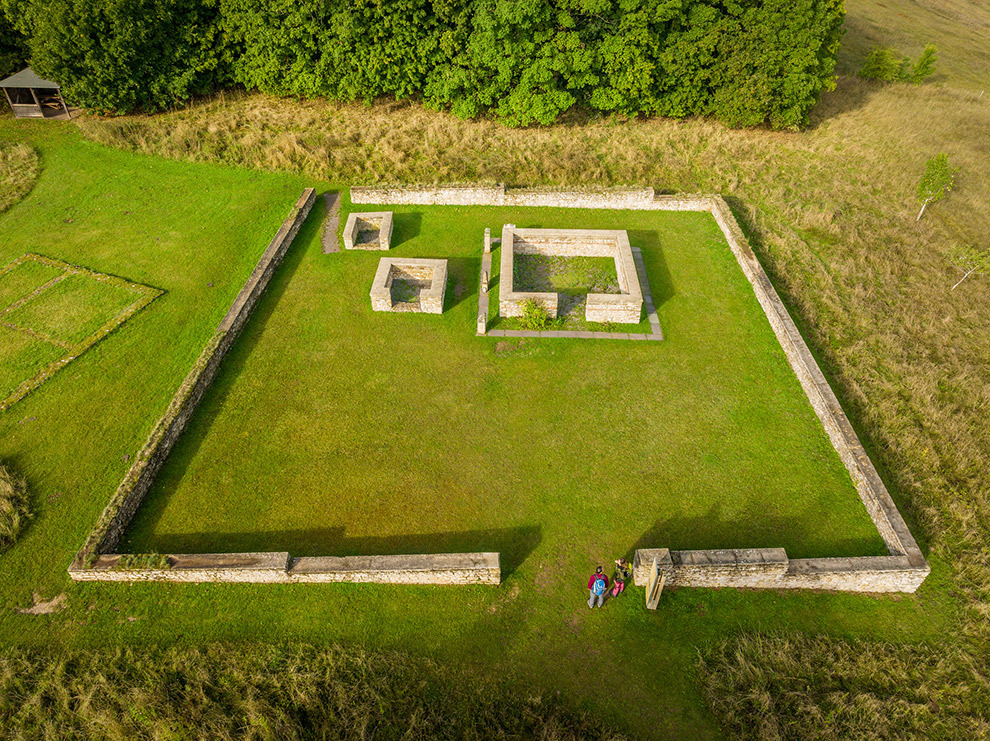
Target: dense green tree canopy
[[13, 47], [119, 55], [745, 62]]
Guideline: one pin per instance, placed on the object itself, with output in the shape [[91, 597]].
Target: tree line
[[743, 62]]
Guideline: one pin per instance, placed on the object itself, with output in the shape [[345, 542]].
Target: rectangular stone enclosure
[[409, 284], [624, 307], [371, 230]]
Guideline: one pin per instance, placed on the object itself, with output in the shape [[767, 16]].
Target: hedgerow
[[744, 62]]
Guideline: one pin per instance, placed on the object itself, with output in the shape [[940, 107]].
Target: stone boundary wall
[[905, 568], [281, 568], [770, 568], [138, 480], [499, 195], [95, 561]]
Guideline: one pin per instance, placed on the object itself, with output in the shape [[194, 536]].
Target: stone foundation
[[280, 568], [371, 230], [770, 568], [903, 570], [428, 277], [622, 308]]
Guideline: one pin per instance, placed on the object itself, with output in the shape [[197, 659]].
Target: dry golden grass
[[258, 691], [14, 509], [19, 168], [831, 212], [774, 687]]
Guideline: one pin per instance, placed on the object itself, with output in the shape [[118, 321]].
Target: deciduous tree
[[970, 261]]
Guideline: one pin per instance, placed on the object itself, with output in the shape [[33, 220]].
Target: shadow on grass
[[514, 544], [463, 273], [405, 227], [232, 365], [661, 282], [714, 530]]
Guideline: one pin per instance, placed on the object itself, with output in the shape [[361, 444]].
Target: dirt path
[[330, 244]]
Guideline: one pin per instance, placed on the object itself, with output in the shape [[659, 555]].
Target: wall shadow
[[405, 227], [232, 366], [514, 544], [464, 272], [661, 281], [714, 530]]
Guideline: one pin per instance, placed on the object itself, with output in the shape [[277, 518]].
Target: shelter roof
[[27, 78]]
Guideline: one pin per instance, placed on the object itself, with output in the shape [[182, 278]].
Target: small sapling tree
[[936, 182], [886, 65], [925, 65], [970, 261]]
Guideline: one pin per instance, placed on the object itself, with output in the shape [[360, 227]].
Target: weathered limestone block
[[278, 568], [769, 568], [368, 230], [428, 276], [438, 568], [266, 568]]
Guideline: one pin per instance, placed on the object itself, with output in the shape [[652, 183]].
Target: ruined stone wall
[[770, 568], [905, 568], [280, 568]]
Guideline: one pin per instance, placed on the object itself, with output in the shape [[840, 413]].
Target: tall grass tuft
[[776, 687], [14, 507], [19, 168], [260, 691]]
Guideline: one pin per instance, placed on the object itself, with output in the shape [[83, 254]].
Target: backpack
[[598, 587]]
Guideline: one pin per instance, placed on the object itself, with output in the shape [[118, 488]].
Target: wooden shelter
[[31, 97]]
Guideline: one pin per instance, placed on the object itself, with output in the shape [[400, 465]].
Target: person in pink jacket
[[598, 586]]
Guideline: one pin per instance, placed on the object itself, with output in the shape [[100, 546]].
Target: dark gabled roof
[[27, 78]]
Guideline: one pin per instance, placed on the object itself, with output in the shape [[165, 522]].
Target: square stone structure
[[375, 226], [430, 276], [621, 308]]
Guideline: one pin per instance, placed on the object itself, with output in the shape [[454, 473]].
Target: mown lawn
[[335, 429]]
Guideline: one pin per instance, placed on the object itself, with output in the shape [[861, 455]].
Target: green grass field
[[338, 430], [50, 313], [195, 231]]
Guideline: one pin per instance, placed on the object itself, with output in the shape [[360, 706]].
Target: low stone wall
[[438, 568], [358, 222], [429, 275], [499, 195], [132, 490], [280, 568], [770, 568], [624, 307], [906, 568]]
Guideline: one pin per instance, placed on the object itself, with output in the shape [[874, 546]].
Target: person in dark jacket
[[620, 576], [598, 586]]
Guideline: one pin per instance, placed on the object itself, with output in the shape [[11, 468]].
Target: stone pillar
[[488, 241]]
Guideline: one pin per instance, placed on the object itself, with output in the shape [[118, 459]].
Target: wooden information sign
[[655, 586]]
